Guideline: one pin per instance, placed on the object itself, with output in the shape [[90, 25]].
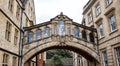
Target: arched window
[[76, 32], [62, 28], [47, 32], [30, 36], [38, 34], [55, 29], [68, 30], [84, 36], [91, 37]]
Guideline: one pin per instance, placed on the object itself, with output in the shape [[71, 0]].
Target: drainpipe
[[21, 36]]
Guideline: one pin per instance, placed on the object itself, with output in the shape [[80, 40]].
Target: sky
[[47, 9]]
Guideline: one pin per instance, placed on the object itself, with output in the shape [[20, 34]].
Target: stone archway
[[63, 39]]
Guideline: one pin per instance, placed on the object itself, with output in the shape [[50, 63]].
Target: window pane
[[55, 30], [112, 23], [98, 11], [30, 36], [69, 31], [76, 32], [105, 61], [62, 29], [101, 30], [118, 55], [91, 37], [84, 35], [47, 32], [38, 34]]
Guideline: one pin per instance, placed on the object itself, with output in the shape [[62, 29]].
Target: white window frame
[[98, 9], [117, 55], [90, 17], [108, 2], [104, 59], [113, 26], [99, 29]]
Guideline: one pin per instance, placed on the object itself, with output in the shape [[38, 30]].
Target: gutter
[[21, 37]]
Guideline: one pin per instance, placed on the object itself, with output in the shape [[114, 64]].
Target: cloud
[[47, 9]]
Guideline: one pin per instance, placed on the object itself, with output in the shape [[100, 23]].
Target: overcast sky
[[47, 9]]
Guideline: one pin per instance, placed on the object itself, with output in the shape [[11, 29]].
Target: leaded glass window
[[92, 37], [55, 29], [47, 32], [62, 28], [30, 36], [76, 32], [38, 34], [84, 35], [69, 30]]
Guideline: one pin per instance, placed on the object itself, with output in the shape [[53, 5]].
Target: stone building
[[104, 15], [14, 15], [100, 14]]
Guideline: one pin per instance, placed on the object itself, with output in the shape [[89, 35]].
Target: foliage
[[60, 52]]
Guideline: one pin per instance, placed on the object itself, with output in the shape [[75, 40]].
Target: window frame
[[99, 29], [46, 35], [61, 28], [40, 34], [117, 58], [90, 17], [76, 35], [14, 59], [111, 23], [10, 5], [30, 39], [16, 36], [68, 29], [108, 2], [98, 9], [5, 59], [103, 58], [8, 31]]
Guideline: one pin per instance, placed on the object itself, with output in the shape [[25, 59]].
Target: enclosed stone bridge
[[60, 33]]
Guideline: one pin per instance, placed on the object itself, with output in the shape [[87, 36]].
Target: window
[[108, 2], [30, 37], [112, 23], [10, 5], [76, 32], [47, 32], [14, 62], [105, 60], [55, 29], [62, 28], [118, 55], [98, 9], [5, 60], [18, 12], [91, 37], [8, 31], [38, 34], [16, 37], [69, 30], [100, 29], [84, 35], [90, 17]]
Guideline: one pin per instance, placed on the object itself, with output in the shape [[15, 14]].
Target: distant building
[[104, 15]]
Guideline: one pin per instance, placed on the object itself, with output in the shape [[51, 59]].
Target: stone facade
[[105, 16], [13, 16]]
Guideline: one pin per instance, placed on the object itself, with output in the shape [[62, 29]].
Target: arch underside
[[82, 49]]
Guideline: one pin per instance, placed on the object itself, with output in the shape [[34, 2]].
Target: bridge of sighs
[[60, 33]]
